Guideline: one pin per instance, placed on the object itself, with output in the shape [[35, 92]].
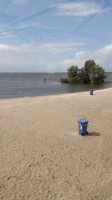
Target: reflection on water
[[39, 84]]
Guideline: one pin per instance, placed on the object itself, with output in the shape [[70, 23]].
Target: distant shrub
[[73, 80], [97, 74], [64, 80], [90, 73]]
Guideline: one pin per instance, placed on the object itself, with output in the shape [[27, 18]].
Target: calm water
[[34, 84]]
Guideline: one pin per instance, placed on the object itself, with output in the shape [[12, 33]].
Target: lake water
[[40, 84]]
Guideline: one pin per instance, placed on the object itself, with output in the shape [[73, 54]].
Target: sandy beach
[[42, 157]]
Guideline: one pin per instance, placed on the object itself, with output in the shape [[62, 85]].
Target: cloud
[[101, 56], [5, 34], [33, 57], [79, 8], [47, 47], [46, 57], [6, 48], [19, 2], [59, 48], [28, 25]]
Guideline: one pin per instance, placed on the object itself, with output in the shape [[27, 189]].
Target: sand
[[42, 157]]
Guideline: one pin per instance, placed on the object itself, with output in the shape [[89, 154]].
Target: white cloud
[[101, 56], [47, 47], [6, 48], [28, 25], [79, 8], [19, 2], [5, 34], [59, 48], [33, 57]]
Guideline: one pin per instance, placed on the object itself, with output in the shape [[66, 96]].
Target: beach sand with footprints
[[42, 156]]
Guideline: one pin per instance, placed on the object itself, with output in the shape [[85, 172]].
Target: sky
[[51, 35]]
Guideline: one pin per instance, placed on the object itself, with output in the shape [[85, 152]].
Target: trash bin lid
[[83, 120]]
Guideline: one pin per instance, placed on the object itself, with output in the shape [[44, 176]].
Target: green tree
[[73, 74], [91, 73], [97, 74], [87, 68], [81, 75]]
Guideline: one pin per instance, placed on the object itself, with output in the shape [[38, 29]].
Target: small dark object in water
[[44, 79]]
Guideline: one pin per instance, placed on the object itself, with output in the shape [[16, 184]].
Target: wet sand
[[42, 157]]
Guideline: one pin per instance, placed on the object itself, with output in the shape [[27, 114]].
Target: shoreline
[[55, 95]]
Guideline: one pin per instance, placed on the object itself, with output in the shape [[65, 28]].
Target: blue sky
[[52, 35]]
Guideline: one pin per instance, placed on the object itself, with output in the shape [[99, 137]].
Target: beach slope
[[42, 157]]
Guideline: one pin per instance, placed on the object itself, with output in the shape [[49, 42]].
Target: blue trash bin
[[91, 92], [82, 126]]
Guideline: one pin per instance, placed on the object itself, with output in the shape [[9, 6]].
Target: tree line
[[90, 73]]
